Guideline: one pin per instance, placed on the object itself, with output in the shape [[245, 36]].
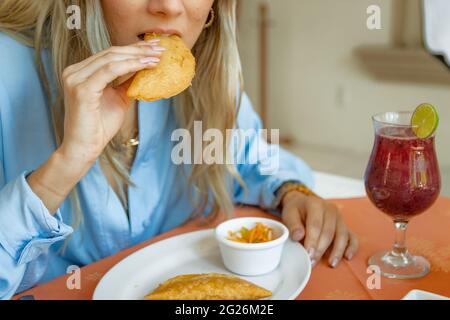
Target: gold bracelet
[[288, 187]]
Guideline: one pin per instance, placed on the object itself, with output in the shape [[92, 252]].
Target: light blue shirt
[[30, 237]]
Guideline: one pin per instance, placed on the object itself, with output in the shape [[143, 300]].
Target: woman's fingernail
[[349, 256], [313, 263], [334, 262], [297, 235], [311, 252], [149, 60], [158, 48]]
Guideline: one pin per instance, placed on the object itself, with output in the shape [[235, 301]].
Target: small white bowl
[[251, 259]]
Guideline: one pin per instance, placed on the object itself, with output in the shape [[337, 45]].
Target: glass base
[[400, 265]]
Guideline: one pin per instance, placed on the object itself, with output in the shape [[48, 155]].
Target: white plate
[[196, 252], [423, 295]]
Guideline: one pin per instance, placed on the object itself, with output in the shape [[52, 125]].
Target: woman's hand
[[321, 226], [94, 110], [94, 113]]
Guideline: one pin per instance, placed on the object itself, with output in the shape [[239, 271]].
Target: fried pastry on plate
[[172, 75], [210, 286]]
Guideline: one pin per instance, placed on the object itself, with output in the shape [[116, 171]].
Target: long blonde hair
[[214, 97]]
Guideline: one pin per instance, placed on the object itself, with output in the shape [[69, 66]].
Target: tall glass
[[402, 180]]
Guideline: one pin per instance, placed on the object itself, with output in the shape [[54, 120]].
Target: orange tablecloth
[[428, 235]]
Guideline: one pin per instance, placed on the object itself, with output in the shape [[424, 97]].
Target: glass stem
[[400, 238]]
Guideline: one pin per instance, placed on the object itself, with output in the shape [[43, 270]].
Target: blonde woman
[[79, 158]]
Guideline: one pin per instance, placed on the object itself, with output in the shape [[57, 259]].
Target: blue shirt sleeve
[[27, 229], [262, 166]]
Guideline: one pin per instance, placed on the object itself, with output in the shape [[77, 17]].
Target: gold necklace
[[132, 142]]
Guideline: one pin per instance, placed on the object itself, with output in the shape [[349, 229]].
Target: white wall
[[319, 93]]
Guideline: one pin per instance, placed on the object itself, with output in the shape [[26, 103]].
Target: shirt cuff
[[27, 229]]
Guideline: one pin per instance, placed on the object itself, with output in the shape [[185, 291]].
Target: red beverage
[[402, 178]]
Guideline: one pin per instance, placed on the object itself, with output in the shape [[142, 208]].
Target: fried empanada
[[211, 286], [172, 75]]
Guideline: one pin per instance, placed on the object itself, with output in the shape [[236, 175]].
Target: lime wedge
[[424, 120]]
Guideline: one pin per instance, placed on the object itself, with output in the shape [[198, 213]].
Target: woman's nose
[[166, 8]]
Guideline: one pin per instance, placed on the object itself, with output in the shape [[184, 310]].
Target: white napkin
[[437, 27]]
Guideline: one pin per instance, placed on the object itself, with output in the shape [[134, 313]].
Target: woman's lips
[[160, 31]]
